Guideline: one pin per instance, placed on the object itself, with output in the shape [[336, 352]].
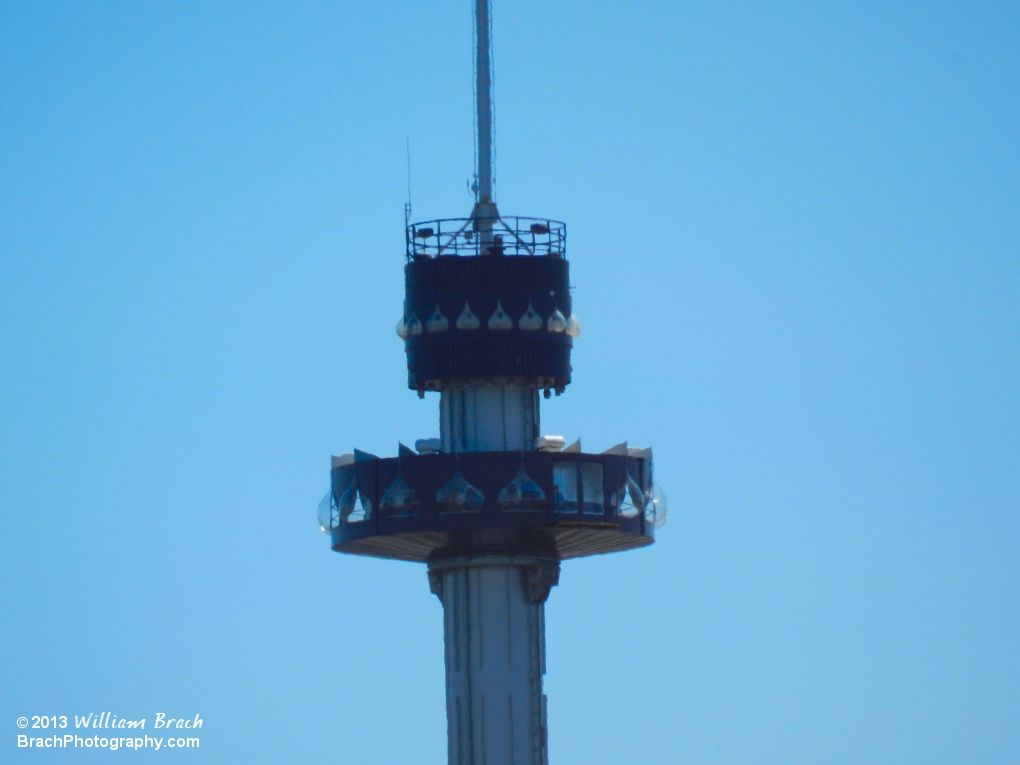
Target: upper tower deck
[[487, 300]]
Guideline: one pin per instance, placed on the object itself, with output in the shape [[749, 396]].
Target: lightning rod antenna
[[408, 206]]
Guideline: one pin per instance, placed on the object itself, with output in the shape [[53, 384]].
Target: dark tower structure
[[492, 506]]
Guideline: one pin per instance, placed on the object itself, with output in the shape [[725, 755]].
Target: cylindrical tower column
[[488, 418], [493, 605], [494, 628]]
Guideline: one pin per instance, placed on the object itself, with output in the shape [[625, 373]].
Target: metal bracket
[[539, 580], [436, 583]]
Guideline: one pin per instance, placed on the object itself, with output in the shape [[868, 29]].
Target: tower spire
[[483, 98]]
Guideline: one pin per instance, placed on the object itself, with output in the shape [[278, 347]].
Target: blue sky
[[794, 231]]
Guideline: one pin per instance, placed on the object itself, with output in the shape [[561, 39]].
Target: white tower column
[[493, 605], [494, 627], [488, 418]]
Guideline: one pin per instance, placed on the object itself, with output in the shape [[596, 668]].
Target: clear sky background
[[794, 230]]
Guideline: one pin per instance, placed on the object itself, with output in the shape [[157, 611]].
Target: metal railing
[[506, 235]]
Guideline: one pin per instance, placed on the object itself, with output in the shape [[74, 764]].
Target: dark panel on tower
[[487, 317]]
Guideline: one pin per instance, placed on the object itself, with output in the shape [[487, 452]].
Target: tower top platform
[[502, 235]]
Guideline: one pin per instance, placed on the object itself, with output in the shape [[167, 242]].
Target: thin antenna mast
[[483, 99], [409, 173], [407, 204], [485, 213]]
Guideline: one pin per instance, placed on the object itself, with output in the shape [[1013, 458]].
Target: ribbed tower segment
[[494, 627]]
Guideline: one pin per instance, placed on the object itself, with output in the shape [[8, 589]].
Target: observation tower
[[492, 505]]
